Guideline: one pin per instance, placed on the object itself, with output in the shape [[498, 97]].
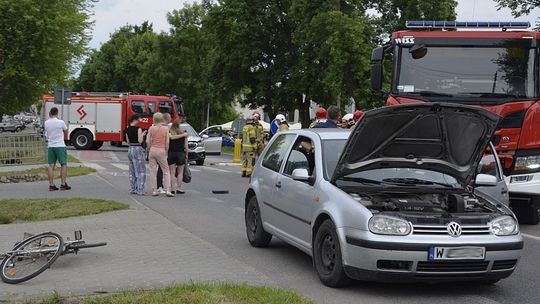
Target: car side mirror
[[300, 175], [204, 136], [486, 180]]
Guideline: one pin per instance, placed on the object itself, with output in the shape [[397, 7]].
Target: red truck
[[493, 65], [93, 118]]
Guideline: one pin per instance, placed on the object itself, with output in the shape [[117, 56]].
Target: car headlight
[[381, 224], [504, 225], [526, 163], [200, 144]]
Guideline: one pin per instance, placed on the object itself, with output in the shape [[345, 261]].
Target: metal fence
[[22, 148]]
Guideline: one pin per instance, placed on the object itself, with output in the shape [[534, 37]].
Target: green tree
[[39, 43], [519, 7]]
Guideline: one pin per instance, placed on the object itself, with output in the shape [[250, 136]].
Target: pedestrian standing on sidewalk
[[160, 188], [56, 152], [177, 156], [158, 142], [136, 156]]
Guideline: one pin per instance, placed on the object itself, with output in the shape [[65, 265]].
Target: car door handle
[[278, 185]]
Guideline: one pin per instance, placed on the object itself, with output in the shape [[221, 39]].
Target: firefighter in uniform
[[249, 147], [259, 130]]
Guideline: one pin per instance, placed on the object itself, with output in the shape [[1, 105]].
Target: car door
[[490, 164], [266, 172], [294, 199], [213, 139]]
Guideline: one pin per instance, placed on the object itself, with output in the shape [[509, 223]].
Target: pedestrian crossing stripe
[[121, 166]]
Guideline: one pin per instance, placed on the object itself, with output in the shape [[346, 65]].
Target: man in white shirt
[[56, 152]]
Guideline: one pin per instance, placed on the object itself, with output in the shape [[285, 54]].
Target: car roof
[[323, 133]]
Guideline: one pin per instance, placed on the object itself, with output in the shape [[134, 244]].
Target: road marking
[[239, 209], [216, 200], [194, 170], [216, 169], [94, 166], [121, 166], [534, 237]]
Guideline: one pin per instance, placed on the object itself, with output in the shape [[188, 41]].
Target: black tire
[[327, 257], [18, 129], [96, 145], [1, 130], [82, 140], [200, 162], [256, 234], [85, 245], [44, 267]]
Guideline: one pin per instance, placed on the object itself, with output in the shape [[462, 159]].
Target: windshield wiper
[[430, 94], [361, 180], [414, 182], [492, 95]]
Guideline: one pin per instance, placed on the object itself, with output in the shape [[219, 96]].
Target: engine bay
[[442, 203]]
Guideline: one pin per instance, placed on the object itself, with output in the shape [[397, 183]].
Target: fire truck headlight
[[527, 163]]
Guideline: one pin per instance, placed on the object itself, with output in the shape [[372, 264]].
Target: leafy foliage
[[519, 7], [39, 42]]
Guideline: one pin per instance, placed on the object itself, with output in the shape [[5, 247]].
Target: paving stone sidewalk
[[145, 250]]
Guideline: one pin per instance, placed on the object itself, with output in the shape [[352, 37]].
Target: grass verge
[[222, 293], [72, 172], [31, 210], [226, 149]]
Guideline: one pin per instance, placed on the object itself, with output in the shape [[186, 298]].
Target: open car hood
[[443, 137]]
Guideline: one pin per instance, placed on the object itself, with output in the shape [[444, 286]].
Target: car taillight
[[527, 163]]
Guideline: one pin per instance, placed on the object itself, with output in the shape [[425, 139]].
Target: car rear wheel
[[200, 162], [327, 256], [1, 130], [18, 129], [256, 235]]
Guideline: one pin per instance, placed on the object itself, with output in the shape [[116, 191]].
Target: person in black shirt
[[136, 156], [177, 155]]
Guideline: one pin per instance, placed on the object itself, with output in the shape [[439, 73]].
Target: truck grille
[[441, 230], [503, 264], [452, 266]]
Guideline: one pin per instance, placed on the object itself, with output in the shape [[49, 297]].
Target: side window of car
[[215, 132], [165, 107], [138, 107], [488, 165], [152, 107], [276, 152], [302, 156]]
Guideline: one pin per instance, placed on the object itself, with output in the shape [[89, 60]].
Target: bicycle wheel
[[85, 245], [31, 257]]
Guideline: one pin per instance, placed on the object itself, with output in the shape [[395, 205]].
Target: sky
[[109, 15]]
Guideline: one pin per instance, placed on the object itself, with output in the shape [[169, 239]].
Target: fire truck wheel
[[96, 145], [82, 140]]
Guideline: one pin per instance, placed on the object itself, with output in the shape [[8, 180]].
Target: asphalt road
[[218, 219]]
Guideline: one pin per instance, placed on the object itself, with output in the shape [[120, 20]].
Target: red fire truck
[[493, 65], [93, 118]]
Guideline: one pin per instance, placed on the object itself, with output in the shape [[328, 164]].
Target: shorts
[[176, 158], [57, 154]]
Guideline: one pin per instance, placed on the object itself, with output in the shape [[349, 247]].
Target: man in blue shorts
[[56, 152]]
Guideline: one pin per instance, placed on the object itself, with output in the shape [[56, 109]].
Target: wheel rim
[[82, 140], [328, 253], [252, 220]]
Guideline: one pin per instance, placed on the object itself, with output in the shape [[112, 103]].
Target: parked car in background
[[393, 200], [10, 125], [212, 139], [196, 149]]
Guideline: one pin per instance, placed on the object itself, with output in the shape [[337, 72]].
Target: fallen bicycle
[[36, 253]]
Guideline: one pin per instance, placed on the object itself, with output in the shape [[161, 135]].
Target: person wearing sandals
[[136, 156], [177, 156], [158, 143]]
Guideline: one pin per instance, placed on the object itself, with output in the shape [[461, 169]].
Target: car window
[[332, 149], [214, 132], [302, 156], [152, 107], [138, 107], [488, 165], [276, 152], [165, 107]]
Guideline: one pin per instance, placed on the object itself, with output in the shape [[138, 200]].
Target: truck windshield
[[494, 72]]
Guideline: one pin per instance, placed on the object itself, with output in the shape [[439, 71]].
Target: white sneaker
[[161, 191]]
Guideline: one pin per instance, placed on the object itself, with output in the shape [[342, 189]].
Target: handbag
[[187, 175]]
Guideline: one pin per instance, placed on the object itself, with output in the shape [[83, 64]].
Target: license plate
[[456, 253]]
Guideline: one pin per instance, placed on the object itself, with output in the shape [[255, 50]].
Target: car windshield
[[189, 129], [332, 150], [504, 72]]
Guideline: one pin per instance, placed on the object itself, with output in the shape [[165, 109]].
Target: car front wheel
[[327, 256], [256, 235]]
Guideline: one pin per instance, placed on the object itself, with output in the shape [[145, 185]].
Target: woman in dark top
[[177, 157], [136, 156]]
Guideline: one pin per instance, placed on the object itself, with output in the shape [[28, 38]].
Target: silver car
[[391, 201]]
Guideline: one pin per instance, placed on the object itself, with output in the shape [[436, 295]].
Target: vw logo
[[505, 139], [454, 229]]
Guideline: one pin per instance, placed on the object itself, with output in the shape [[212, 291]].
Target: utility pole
[[208, 116]]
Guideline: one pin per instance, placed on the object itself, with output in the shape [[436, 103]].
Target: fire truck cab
[[93, 118], [493, 65]]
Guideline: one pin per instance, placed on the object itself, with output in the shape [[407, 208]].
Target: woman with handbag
[[177, 156], [158, 143]]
